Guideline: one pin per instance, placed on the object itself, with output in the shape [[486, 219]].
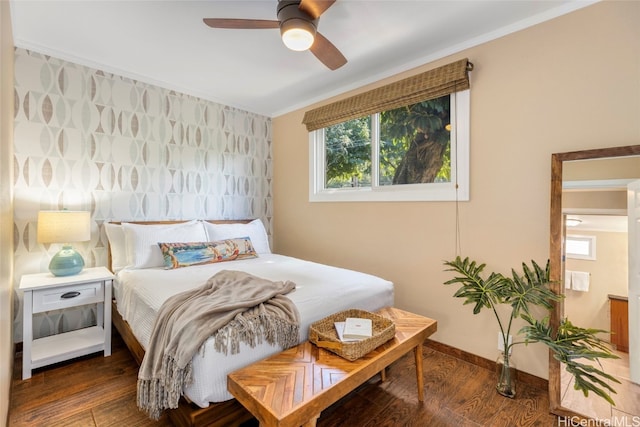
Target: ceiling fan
[[298, 23]]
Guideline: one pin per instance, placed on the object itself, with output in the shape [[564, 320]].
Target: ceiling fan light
[[297, 34], [573, 222], [297, 39]]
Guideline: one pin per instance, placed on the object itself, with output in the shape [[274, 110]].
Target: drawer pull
[[68, 295]]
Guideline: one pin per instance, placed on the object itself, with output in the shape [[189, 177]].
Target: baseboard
[[523, 377]]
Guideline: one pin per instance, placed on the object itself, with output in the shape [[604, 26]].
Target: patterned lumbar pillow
[[178, 255]]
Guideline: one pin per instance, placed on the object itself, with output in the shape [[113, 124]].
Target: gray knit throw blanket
[[234, 307]]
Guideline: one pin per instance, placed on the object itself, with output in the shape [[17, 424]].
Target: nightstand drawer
[[67, 296]]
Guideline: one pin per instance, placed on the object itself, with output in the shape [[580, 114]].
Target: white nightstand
[[44, 292]]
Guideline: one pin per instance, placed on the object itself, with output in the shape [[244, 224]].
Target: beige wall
[[595, 170], [609, 275], [621, 168], [615, 199], [6, 208], [568, 84]]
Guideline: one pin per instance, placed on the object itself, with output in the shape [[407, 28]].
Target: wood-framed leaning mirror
[[597, 182]]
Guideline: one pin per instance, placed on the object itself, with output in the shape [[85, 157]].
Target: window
[[410, 153], [581, 247]]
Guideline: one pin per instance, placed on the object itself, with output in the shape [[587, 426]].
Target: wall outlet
[[501, 342]]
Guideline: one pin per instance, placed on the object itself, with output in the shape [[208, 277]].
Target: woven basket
[[323, 334]]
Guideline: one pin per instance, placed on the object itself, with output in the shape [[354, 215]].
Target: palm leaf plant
[[521, 292]]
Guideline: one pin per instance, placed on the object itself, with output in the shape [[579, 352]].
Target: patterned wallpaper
[[124, 150]]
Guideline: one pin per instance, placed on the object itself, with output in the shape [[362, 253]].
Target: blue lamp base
[[66, 262]]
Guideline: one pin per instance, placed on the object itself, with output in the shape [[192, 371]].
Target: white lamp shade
[[64, 226]]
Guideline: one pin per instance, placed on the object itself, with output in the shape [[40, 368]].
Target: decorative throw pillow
[[178, 255]]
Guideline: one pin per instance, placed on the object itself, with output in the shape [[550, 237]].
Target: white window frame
[[591, 241], [460, 121]]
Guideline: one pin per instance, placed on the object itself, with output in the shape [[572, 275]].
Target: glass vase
[[506, 372]]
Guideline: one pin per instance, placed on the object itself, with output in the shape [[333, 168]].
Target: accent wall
[[124, 150]]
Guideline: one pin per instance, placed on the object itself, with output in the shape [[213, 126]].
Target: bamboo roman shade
[[428, 85]]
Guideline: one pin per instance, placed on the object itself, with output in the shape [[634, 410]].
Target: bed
[[143, 283]]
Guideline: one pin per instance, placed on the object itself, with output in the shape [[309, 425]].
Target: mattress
[[320, 291]]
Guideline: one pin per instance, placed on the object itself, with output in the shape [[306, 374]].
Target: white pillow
[[142, 241], [117, 246], [254, 230]]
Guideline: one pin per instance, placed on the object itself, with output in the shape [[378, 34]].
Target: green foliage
[[521, 292], [570, 344], [348, 144], [532, 288], [400, 127], [476, 290], [430, 117], [444, 175], [392, 151], [348, 151]]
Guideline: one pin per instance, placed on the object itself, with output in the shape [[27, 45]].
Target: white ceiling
[[166, 43]]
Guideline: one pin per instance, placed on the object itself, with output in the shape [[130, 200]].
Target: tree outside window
[[412, 145], [418, 152]]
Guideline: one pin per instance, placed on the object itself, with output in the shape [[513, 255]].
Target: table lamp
[[64, 227]]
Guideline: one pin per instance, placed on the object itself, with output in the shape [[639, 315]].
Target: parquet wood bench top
[[293, 387]]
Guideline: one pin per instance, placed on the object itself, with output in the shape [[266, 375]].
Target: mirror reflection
[[595, 275]]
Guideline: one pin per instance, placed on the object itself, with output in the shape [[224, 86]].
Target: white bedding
[[321, 290]]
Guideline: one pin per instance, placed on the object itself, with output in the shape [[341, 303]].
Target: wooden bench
[[292, 388]]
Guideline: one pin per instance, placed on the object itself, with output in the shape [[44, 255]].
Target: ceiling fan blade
[[243, 24], [327, 53], [315, 8]]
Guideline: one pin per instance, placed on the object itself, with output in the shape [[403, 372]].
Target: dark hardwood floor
[[99, 391]]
